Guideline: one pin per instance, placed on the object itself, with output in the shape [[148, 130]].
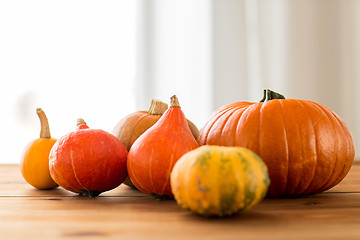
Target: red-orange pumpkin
[[129, 128], [154, 154], [88, 161], [307, 147]]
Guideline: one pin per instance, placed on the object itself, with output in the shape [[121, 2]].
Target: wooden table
[[124, 213]]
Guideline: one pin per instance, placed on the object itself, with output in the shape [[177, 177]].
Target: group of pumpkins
[[301, 147]]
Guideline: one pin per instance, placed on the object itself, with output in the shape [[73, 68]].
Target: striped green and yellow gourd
[[219, 181]]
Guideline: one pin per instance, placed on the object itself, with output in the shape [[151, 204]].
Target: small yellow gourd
[[219, 181], [34, 163]]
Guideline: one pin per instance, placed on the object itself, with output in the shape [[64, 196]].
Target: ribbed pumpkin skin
[[219, 181], [306, 146]]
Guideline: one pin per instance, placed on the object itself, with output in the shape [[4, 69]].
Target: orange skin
[[131, 127], [154, 154], [307, 147], [88, 161], [34, 164]]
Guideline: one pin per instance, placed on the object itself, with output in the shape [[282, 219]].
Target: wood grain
[[124, 213]]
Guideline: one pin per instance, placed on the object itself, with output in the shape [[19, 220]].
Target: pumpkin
[[153, 155], [219, 181], [129, 128], [306, 146], [34, 162], [88, 161]]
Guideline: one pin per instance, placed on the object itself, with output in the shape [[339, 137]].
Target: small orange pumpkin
[[128, 129], [88, 161], [154, 154], [306, 146], [34, 163]]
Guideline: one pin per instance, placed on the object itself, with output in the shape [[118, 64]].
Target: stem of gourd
[[157, 107], [44, 123], [174, 102], [80, 121], [271, 95]]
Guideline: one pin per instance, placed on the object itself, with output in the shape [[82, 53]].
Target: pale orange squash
[[34, 163]]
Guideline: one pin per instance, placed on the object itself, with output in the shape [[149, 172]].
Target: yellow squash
[[219, 181], [34, 164]]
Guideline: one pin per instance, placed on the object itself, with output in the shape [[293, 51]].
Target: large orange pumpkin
[[307, 147]]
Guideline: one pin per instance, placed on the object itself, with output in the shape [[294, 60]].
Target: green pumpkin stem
[[271, 95]]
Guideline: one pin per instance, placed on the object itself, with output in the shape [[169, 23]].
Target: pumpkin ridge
[[259, 131], [244, 114], [287, 190], [212, 120], [332, 181], [300, 184], [239, 112], [203, 139], [308, 184], [350, 148], [223, 123], [316, 149], [305, 186], [336, 158], [325, 110], [287, 147]]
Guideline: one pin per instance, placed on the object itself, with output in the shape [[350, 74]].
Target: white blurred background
[[102, 60]]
